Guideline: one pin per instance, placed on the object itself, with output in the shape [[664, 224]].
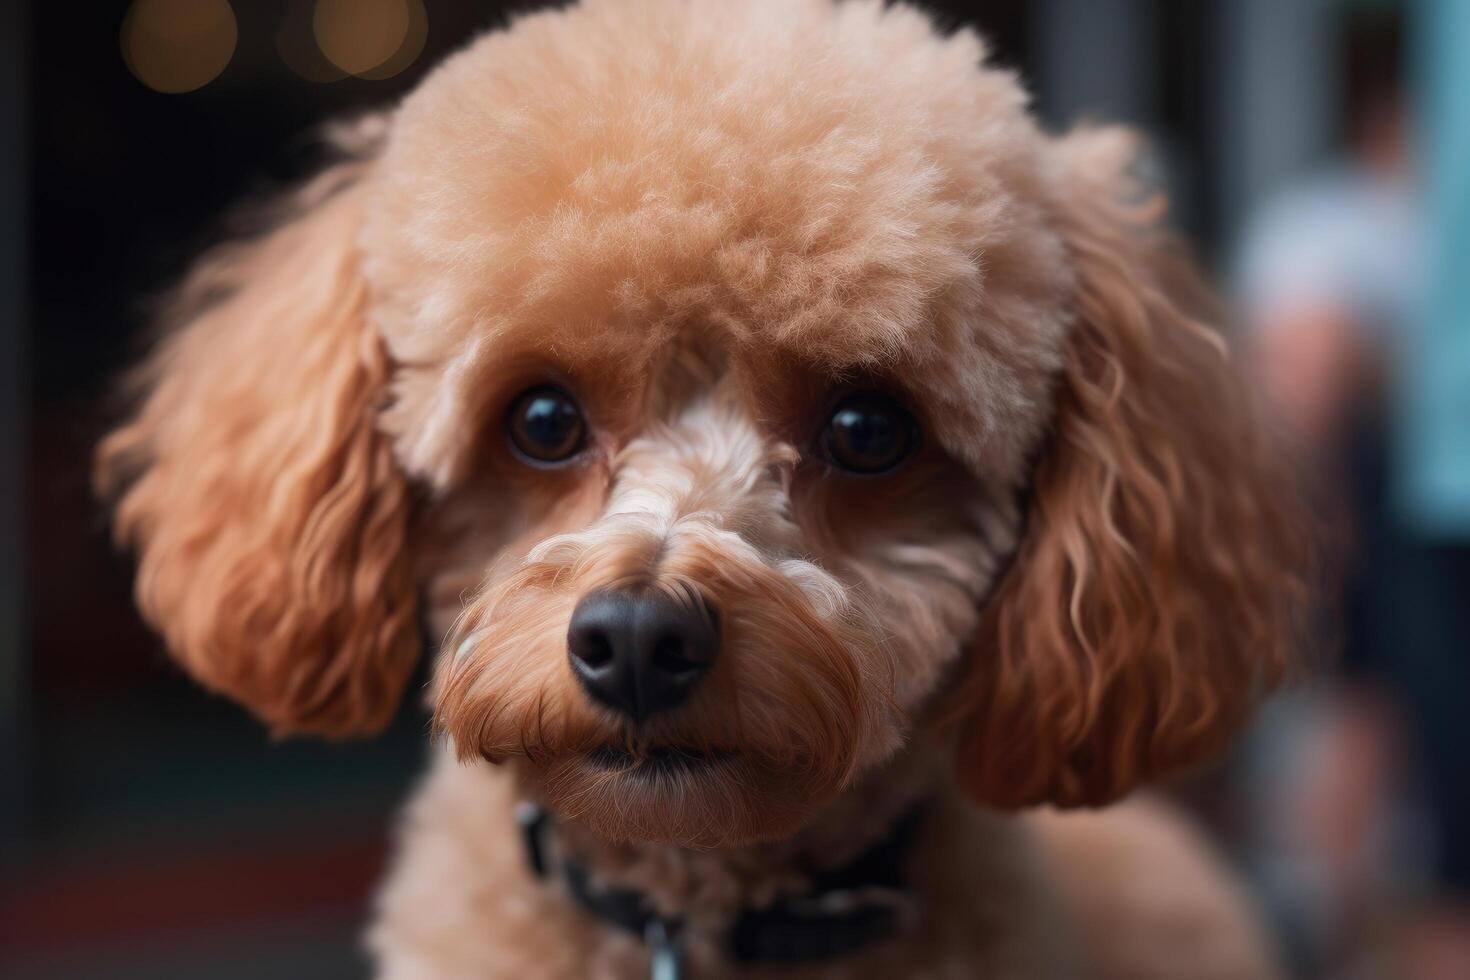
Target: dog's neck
[[708, 888]]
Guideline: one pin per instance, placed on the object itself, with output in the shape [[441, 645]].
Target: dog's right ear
[[1155, 596], [268, 512]]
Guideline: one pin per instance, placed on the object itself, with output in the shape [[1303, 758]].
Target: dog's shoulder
[[1149, 895]]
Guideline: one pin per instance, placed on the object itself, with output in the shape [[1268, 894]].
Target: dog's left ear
[[267, 509], [1151, 599]]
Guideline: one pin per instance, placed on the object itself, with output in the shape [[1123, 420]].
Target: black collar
[[846, 908]]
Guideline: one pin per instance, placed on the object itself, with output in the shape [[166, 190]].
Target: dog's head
[[743, 388]]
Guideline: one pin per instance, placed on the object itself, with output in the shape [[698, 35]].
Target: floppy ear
[[267, 510], [1151, 599]]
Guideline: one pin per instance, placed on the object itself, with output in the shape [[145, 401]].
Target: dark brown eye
[[545, 425], [868, 433]]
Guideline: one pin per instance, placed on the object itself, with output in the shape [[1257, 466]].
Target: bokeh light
[[368, 38], [412, 46], [178, 45], [297, 45]]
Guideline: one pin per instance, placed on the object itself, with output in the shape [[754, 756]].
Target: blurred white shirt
[[1343, 238]]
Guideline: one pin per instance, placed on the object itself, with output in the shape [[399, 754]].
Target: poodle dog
[[810, 464]]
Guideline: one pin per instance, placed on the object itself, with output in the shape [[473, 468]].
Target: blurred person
[[1332, 277]]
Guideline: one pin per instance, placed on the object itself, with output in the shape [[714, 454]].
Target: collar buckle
[[665, 949]]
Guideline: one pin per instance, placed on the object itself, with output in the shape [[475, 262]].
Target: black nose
[[641, 652]]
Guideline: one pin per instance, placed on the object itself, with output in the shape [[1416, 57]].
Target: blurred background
[[1318, 154]]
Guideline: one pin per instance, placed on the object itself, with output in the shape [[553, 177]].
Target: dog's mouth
[[694, 795], [666, 760]]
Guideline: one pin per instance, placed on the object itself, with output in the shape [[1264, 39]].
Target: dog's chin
[[693, 798]]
